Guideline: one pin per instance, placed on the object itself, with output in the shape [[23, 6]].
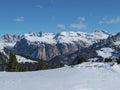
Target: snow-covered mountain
[[66, 37], [49, 45], [107, 48], [8, 38], [8, 41], [65, 46]]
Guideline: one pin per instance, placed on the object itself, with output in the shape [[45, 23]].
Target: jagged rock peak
[[118, 34], [43, 34], [10, 38], [117, 37], [29, 34], [66, 37]]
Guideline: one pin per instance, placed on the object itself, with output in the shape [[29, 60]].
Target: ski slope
[[87, 76]]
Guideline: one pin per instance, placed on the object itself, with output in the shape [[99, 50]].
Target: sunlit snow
[[87, 76], [105, 52]]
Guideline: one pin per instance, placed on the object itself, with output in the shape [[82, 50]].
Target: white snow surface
[[3, 44], [117, 43], [44, 38], [100, 35], [67, 37], [92, 59], [87, 76], [105, 52], [21, 59]]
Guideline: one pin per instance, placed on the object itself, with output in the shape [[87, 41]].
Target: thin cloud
[[19, 19], [61, 26], [39, 6], [81, 19], [105, 20], [78, 26]]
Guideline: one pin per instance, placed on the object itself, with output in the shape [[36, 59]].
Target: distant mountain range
[[63, 47]]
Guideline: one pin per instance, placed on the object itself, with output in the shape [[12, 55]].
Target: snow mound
[[105, 52], [116, 68]]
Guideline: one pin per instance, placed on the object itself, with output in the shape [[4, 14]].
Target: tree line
[[83, 59], [12, 65]]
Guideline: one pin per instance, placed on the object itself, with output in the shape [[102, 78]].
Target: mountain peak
[[118, 34], [29, 34], [100, 34], [9, 38], [43, 34], [101, 31]]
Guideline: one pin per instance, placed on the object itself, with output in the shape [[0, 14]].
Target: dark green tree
[[42, 64], [12, 65], [118, 60], [3, 60], [60, 65], [108, 60], [81, 60]]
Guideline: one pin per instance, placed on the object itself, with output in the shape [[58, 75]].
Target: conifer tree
[[81, 60], [108, 60], [13, 65], [118, 60], [42, 65]]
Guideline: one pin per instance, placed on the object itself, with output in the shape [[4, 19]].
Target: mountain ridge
[[47, 45], [64, 46]]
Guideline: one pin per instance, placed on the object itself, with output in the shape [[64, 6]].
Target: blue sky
[[21, 16]]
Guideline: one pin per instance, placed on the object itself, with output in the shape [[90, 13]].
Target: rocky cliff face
[[44, 50], [107, 48], [64, 47], [47, 45]]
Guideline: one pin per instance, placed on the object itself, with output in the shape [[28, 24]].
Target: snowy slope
[[87, 76], [8, 40], [45, 37], [21, 59], [100, 34], [3, 44], [117, 43], [105, 52]]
